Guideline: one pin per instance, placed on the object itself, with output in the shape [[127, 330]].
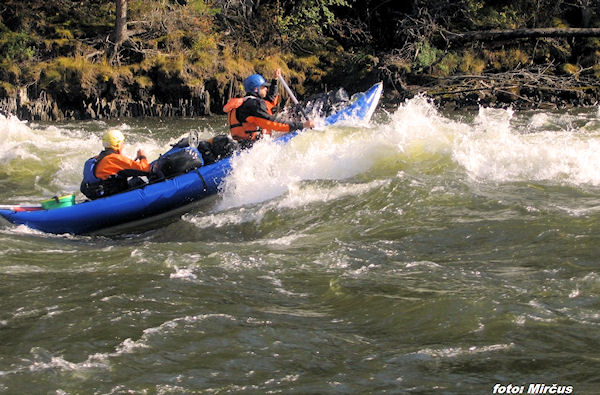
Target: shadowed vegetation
[[178, 50]]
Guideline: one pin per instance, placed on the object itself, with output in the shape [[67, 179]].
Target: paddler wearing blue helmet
[[250, 117]]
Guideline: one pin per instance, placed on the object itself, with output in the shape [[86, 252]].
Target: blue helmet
[[255, 81]]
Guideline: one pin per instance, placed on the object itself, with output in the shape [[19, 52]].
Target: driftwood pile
[[537, 87]]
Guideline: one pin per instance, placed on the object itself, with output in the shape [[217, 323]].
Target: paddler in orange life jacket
[[252, 116], [108, 172]]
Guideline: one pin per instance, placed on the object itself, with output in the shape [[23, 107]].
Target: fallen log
[[509, 34]]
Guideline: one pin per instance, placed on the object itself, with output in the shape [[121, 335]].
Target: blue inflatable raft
[[163, 199]]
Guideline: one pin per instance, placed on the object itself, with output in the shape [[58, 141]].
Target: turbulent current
[[427, 252]]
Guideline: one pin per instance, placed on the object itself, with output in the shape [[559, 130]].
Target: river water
[[426, 253]]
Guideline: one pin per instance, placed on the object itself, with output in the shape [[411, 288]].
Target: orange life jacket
[[240, 130], [114, 162], [253, 128]]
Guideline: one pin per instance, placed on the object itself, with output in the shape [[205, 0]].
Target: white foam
[[453, 352], [494, 147], [183, 273], [32, 149], [167, 329], [43, 360], [270, 170], [494, 151], [299, 196]]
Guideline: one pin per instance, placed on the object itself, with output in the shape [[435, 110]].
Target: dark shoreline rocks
[[31, 105], [44, 107]]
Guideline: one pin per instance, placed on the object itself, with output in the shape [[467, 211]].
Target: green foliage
[[510, 15], [77, 77], [170, 66], [506, 59], [489, 17], [9, 71], [143, 81], [16, 46], [222, 41], [447, 65], [309, 19], [7, 89], [204, 42], [570, 69], [62, 32], [471, 63], [426, 55], [202, 7]]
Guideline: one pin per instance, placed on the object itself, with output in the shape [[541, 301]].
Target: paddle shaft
[[292, 96], [18, 207]]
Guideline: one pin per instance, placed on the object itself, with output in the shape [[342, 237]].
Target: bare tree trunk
[[120, 32], [586, 12]]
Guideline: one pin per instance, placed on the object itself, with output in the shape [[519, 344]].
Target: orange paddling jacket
[[250, 117], [114, 162], [102, 174]]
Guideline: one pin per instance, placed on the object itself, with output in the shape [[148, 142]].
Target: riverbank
[[517, 89], [71, 61], [44, 107]]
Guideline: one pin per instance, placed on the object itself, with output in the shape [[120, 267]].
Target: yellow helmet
[[113, 139]]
